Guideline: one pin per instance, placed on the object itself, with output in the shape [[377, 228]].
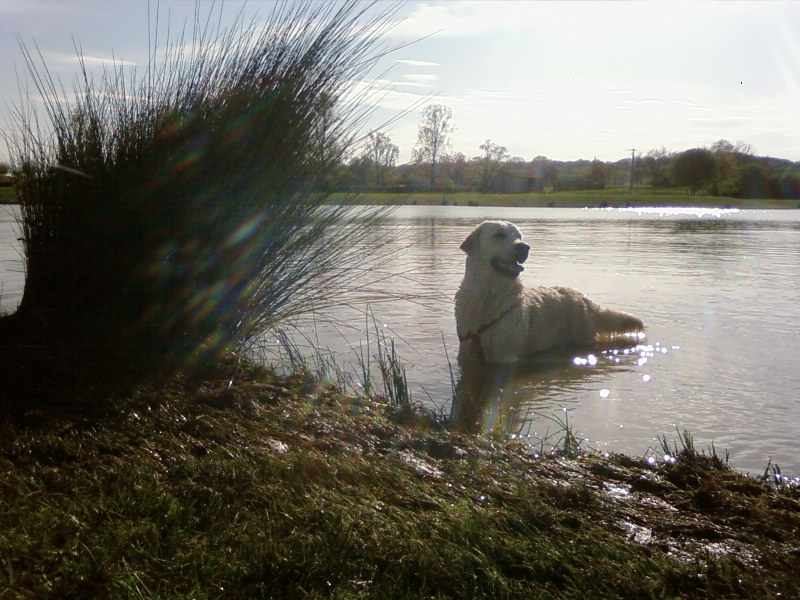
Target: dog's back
[[561, 317], [557, 317]]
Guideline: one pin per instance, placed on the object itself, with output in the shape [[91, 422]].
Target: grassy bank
[[619, 197], [240, 484]]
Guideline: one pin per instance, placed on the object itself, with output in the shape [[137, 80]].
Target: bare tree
[[493, 156], [382, 153], [459, 170], [433, 137], [739, 147], [656, 163]]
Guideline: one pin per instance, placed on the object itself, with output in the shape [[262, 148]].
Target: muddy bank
[[240, 484]]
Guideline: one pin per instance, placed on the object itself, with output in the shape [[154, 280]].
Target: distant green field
[[7, 195], [619, 197]]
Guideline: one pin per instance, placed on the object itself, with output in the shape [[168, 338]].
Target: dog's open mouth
[[509, 268]]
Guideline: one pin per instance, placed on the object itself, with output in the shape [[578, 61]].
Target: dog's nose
[[521, 251]]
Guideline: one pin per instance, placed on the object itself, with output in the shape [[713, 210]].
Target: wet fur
[[501, 321]]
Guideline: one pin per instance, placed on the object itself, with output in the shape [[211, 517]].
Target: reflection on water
[[499, 399], [506, 399]]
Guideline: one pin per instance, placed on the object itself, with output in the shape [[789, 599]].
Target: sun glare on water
[[677, 211]]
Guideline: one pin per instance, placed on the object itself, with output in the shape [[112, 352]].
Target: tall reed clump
[[171, 216]]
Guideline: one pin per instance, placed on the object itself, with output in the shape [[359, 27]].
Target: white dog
[[500, 321]]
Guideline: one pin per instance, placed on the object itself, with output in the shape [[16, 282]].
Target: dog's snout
[[521, 250]]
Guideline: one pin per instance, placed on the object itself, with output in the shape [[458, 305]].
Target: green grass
[[616, 197], [243, 485], [8, 195]]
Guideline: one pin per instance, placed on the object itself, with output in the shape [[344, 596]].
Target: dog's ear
[[471, 243]]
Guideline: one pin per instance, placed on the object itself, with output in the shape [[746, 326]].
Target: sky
[[567, 80]]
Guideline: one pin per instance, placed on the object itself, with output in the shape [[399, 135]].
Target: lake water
[[12, 266], [718, 290]]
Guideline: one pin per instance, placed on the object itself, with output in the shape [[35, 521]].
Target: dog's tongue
[[510, 268]]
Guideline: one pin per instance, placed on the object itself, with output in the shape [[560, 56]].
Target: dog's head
[[499, 245]]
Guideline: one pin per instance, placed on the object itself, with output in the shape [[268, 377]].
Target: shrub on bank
[[170, 217]]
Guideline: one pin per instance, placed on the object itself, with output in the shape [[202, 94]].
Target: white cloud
[[421, 79], [452, 19], [418, 63], [383, 94], [89, 61]]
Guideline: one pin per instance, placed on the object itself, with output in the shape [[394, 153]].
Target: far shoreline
[[607, 198]]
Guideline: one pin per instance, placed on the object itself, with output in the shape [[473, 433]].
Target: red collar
[[475, 335]]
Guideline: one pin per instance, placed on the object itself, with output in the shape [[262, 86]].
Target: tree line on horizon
[[722, 169]]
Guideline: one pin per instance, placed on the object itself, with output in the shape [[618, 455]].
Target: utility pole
[[633, 162]]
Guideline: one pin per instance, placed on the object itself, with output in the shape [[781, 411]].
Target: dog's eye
[[500, 235]]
